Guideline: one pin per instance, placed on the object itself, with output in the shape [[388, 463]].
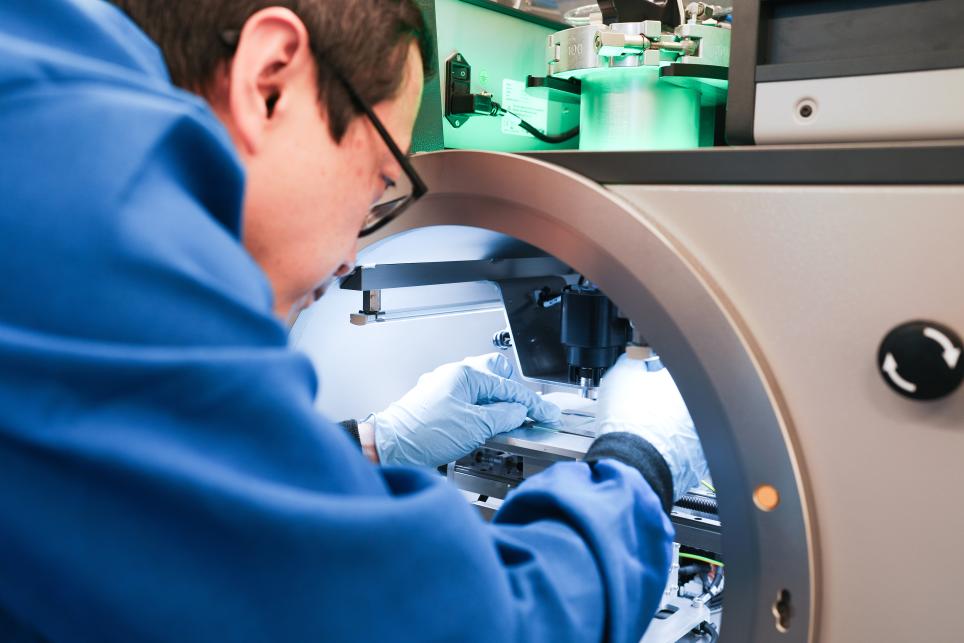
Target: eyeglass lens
[[395, 198]]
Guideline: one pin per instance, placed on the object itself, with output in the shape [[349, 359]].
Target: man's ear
[[273, 53]]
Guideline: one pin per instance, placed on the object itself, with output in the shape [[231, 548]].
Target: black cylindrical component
[[614, 11], [593, 333], [696, 502]]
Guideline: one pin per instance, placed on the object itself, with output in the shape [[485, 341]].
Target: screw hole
[[782, 611], [806, 109]]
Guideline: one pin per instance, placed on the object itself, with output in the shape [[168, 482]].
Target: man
[[165, 476]]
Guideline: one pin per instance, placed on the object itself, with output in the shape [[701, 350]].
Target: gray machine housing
[[767, 297], [838, 71]]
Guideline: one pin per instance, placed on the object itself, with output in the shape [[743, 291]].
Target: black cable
[[715, 602], [710, 629], [545, 138], [529, 127], [704, 579], [716, 595], [717, 578], [689, 572]]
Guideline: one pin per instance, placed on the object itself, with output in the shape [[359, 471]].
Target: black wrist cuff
[[351, 427], [633, 450]]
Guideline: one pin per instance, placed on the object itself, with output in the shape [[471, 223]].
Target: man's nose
[[348, 262]]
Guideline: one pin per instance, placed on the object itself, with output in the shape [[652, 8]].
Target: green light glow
[[499, 47], [621, 107], [630, 108]]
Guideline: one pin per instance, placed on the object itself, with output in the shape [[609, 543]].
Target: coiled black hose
[[695, 502]]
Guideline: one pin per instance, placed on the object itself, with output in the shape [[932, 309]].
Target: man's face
[[307, 197]]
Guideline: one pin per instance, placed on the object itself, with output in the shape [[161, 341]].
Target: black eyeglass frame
[[230, 38], [418, 185]]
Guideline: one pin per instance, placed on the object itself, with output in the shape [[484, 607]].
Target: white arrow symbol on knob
[[890, 367], [951, 352]]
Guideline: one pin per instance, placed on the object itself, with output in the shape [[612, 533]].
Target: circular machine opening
[[504, 214]]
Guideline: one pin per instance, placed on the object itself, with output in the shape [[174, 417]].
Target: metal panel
[[893, 63], [783, 40], [823, 32], [820, 275], [541, 443], [427, 133], [889, 107], [477, 483], [901, 164], [536, 331]]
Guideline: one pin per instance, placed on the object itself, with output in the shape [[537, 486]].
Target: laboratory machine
[[766, 197]]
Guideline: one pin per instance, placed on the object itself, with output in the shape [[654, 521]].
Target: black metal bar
[[911, 164], [698, 534], [744, 53], [895, 64], [405, 275]]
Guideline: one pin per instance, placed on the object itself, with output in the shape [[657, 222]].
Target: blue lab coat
[[164, 475]]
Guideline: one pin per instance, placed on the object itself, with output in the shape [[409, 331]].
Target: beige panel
[[820, 275]]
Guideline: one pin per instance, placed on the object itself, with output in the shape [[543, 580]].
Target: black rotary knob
[[922, 360]]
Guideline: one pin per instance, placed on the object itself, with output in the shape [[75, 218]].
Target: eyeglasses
[[398, 195]]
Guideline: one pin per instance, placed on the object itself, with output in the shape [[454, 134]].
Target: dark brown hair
[[365, 40]]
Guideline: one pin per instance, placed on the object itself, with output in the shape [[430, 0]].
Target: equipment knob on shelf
[[922, 360]]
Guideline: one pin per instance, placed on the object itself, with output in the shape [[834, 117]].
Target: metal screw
[[806, 111], [502, 339]]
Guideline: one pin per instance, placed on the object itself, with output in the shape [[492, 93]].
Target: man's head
[[270, 70]]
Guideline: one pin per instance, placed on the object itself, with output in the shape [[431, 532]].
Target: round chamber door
[[747, 438]]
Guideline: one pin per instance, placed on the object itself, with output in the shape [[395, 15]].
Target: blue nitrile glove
[[455, 409], [646, 402]]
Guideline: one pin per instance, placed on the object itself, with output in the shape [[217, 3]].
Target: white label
[[531, 109]]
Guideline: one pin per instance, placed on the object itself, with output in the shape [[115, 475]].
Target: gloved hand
[[455, 409], [647, 403]]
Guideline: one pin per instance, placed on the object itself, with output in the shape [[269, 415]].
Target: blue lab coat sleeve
[[164, 475]]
